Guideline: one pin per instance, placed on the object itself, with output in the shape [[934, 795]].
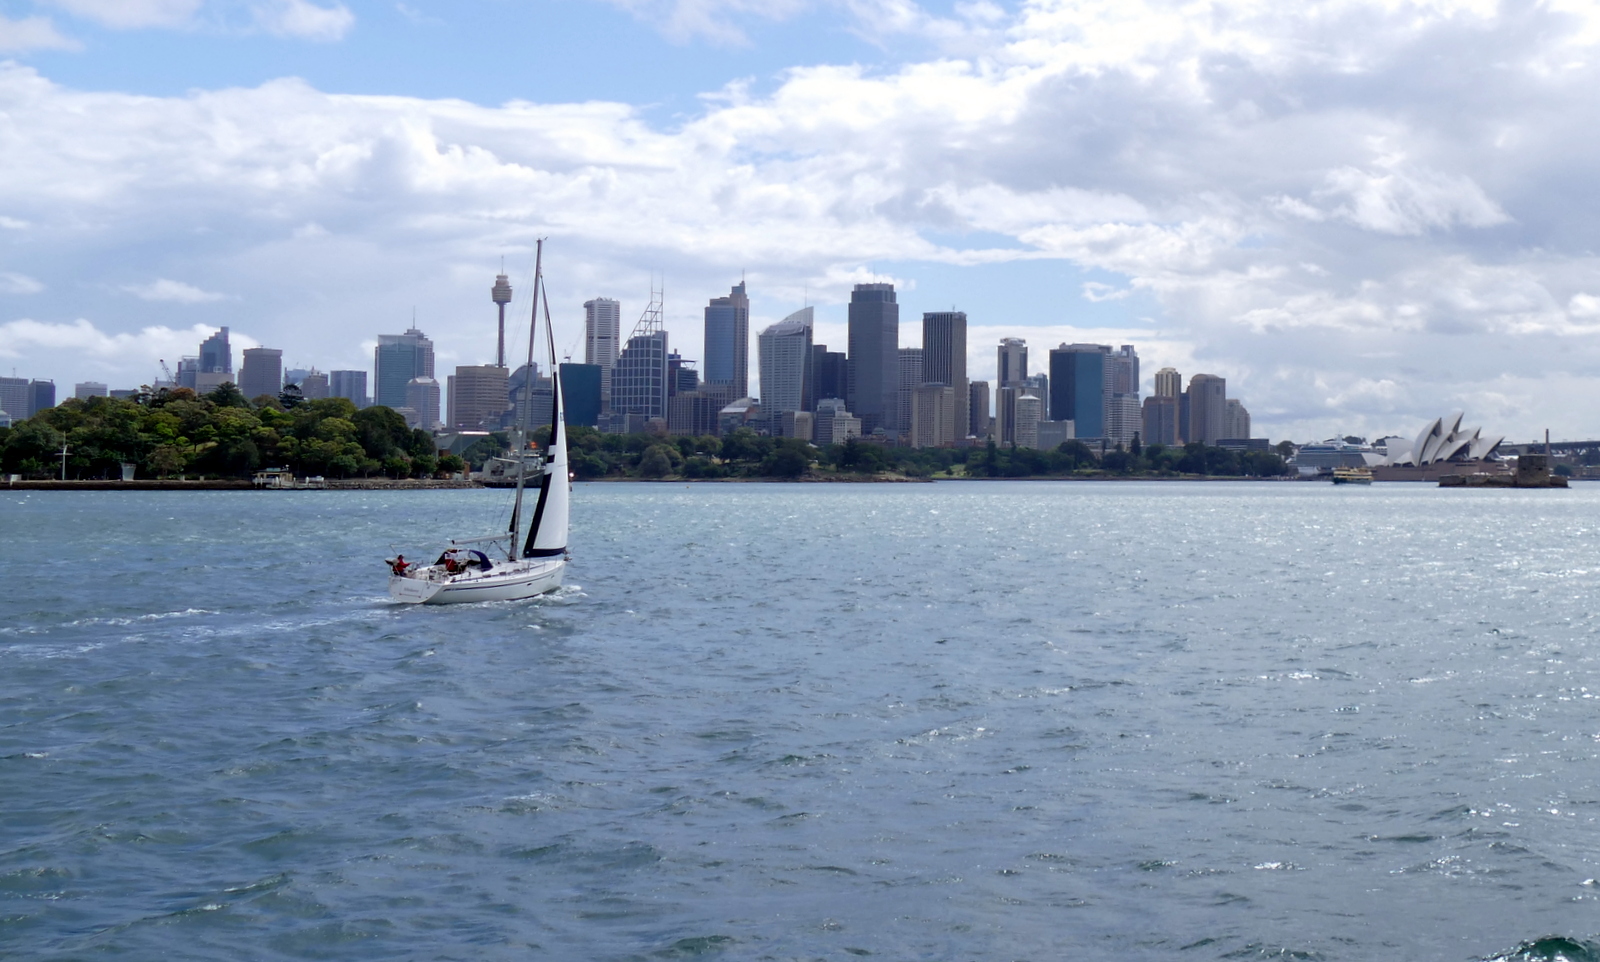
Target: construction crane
[[166, 372]]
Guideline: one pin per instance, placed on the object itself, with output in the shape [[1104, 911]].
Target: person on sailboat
[[399, 564]]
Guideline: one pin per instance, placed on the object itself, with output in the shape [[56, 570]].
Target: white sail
[[548, 538]]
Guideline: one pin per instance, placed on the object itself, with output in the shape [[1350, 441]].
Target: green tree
[[228, 395], [656, 463], [788, 461]]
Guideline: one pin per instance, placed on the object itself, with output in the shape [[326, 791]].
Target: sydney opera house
[[1443, 447]]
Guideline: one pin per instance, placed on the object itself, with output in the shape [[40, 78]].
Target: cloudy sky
[[1362, 214]]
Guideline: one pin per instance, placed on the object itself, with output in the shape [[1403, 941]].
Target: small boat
[[1352, 476], [531, 567]]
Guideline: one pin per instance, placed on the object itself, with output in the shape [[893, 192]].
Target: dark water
[[998, 721]]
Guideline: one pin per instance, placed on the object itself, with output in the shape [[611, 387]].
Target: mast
[[547, 535], [527, 401]]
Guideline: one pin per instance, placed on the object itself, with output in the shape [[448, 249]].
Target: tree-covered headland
[[177, 433]]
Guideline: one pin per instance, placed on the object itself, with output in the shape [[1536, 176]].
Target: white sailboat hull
[[507, 581]]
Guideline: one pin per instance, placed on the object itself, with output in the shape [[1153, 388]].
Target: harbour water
[[946, 721]]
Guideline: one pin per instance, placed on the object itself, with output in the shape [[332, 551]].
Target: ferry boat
[[1352, 476]]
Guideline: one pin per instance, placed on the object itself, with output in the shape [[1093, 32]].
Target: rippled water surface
[[952, 721]]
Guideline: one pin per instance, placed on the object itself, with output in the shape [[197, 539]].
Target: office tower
[[188, 369], [727, 353], [1159, 420], [783, 353], [797, 424], [1030, 411], [1122, 415], [602, 337], [1039, 386], [681, 375], [1013, 362], [261, 373], [580, 392], [1053, 434], [933, 415], [422, 396], [293, 375], [314, 386], [944, 359], [1005, 414], [351, 385], [41, 396], [532, 397], [15, 397], [639, 377], [216, 355], [1235, 420], [479, 397], [830, 374], [500, 293], [873, 391], [1077, 387], [693, 414], [834, 424], [909, 375], [1169, 383], [397, 360], [1208, 406], [89, 389], [979, 422]]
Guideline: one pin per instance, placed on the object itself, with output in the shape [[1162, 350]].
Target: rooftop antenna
[[653, 320]]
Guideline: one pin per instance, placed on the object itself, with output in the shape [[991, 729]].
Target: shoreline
[[433, 484]]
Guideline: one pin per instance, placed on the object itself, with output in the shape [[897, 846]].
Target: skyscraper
[[874, 344], [422, 397], [1169, 383], [41, 396], [478, 397], [216, 355], [933, 415], [639, 378], [1235, 420], [88, 389], [978, 421], [351, 385], [314, 386], [580, 392], [602, 328], [1077, 387], [1159, 420], [944, 360], [15, 397], [727, 355], [908, 376], [1013, 362], [1208, 406], [262, 372], [830, 374], [784, 356], [397, 359]]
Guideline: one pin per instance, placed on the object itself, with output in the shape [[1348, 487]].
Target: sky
[[1362, 214]]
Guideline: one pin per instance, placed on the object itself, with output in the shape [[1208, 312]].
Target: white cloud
[[131, 14], [14, 283], [305, 20], [32, 33], [176, 292], [26, 337]]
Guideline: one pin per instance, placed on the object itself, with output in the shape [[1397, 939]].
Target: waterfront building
[[580, 391], [1030, 411], [1159, 420], [908, 376], [398, 359], [834, 422], [693, 413], [1078, 387], [1053, 434], [1169, 383], [944, 361], [314, 386], [797, 424], [602, 328], [639, 378], [261, 373], [874, 330], [1012, 369], [1005, 413], [479, 397], [216, 355], [727, 344], [1208, 405], [422, 397], [88, 389], [830, 374], [978, 421], [784, 354], [933, 415], [351, 385], [1123, 419], [1235, 420]]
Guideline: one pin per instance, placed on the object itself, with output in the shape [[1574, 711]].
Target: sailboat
[[530, 567]]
